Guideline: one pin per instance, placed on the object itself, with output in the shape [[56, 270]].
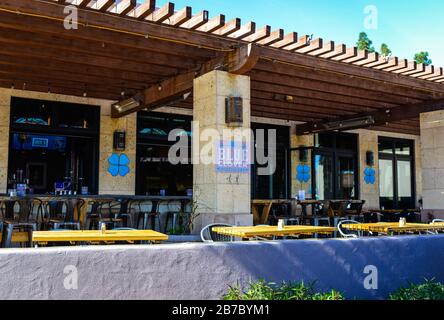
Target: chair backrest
[[336, 208], [207, 234], [8, 209], [356, 206], [73, 206], [55, 208], [348, 233]]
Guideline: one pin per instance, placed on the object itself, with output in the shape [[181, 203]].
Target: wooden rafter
[[240, 61], [380, 117]]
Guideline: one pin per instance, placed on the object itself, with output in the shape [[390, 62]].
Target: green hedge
[[428, 290], [261, 290]]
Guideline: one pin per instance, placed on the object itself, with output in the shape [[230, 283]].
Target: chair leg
[[7, 235]]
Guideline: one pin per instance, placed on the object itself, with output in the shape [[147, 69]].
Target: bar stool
[[174, 213], [151, 215]]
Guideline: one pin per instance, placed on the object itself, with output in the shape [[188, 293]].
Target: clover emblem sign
[[118, 165], [369, 175], [303, 171]]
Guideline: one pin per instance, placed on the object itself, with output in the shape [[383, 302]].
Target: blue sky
[[406, 26]]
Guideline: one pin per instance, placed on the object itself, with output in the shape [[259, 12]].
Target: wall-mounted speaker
[[370, 158], [303, 155], [119, 140]]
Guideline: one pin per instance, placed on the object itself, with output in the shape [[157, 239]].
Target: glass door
[[346, 177], [396, 174], [324, 176]]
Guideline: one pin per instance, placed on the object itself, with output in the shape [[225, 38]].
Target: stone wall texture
[[205, 271], [432, 152]]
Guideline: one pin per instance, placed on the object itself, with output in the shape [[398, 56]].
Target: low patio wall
[[201, 271]]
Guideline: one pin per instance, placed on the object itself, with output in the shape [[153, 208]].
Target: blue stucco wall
[[201, 271]]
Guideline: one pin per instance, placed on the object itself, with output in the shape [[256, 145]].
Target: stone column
[[432, 152], [221, 197]]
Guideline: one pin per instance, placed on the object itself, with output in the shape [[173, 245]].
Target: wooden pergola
[[121, 49]]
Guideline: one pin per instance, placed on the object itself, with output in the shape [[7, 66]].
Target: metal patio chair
[[207, 234], [345, 233]]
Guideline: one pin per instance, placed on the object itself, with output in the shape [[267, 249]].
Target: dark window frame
[[394, 157]]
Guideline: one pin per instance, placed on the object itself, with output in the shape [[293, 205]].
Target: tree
[[385, 50], [364, 43], [423, 57]]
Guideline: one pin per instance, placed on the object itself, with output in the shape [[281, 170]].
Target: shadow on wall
[[205, 271]]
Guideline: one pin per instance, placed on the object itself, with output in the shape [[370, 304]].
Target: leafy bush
[[262, 290], [429, 290]]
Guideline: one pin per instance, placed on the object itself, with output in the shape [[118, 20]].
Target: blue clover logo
[[369, 175], [303, 173], [118, 165]]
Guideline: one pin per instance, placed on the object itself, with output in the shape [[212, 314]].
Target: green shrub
[[429, 290], [262, 290]]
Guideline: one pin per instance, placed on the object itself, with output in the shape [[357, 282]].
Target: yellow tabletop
[[98, 236], [390, 227], [264, 231]]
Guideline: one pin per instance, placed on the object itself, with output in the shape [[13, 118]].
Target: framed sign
[[232, 157]]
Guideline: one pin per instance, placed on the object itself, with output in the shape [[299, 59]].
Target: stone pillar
[[368, 141], [221, 197], [432, 152]]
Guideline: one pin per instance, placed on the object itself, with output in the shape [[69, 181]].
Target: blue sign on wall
[[303, 173], [232, 157], [118, 165], [369, 175]]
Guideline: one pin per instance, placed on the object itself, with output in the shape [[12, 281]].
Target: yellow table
[[393, 227], [272, 231], [96, 236]]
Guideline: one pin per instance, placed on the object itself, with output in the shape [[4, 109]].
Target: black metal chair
[[149, 213], [20, 221], [60, 214]]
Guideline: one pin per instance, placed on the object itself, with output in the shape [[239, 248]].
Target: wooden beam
[[161, 14], [213, 24], [240, 61], [275, 36], [371, 57], [313, 46], [260, 34], [179, 17], [380, 117], [287, 40], [196, 21], [326, 48], [302, 42], [280, 56], [339, 50], [123, 7], [245, 31], [103, 5], [349, 53], [229, 28], [143, 10]]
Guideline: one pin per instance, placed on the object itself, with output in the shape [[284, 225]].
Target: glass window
[[385, 147], [403, 148], [324, 140], [324, 177], [404, 179], [386, 178], [27, 112]]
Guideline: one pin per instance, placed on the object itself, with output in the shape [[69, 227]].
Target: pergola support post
[[222, 195]]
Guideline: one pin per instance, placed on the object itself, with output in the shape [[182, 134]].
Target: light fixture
[[127, 104], [84, 93], [12, 86], [350, 123]]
